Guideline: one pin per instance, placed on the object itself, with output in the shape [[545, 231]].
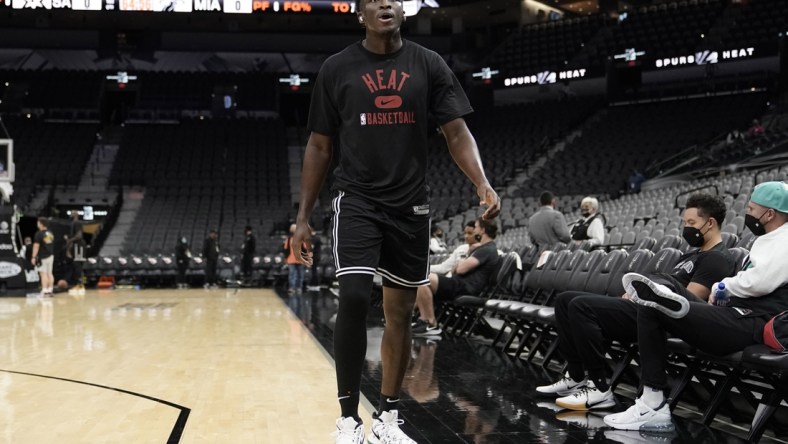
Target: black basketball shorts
[[371, 240]]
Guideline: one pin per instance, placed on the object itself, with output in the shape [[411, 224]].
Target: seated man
[[437, 245], [757, 293], [469, 276], [591, 226], [459, 253], [585, 320]]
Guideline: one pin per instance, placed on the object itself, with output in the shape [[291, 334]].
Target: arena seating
[[508, 138], [48, 154], [666, 29], [546, 45], [660, 30], [756, 24], [200, 175], [50, 89], [588, 42], [627, 138], [195, 91], [226, 174], [518, 318]]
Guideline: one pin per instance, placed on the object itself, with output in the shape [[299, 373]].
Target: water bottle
[[720, 295]]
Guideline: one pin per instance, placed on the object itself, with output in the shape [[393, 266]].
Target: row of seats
[[516, 313], [665, 30], [202, 175], [628, 138], [48, 153], [650, 213], [504, 143], [156, 270]]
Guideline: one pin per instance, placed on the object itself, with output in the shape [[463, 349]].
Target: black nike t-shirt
[[475, 280], [377, 106], [704, 267], [46, 243]]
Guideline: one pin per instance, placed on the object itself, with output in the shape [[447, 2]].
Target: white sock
[[652, 397]]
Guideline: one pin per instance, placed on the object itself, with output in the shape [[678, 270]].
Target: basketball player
[[43, 256], [374, 99]]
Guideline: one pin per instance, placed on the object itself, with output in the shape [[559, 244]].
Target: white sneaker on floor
[[549, 406], [424, 329], [630, 437], [563, 387], [385, 430], [349, 431], [642, 417], [587, 398], [584, 420]]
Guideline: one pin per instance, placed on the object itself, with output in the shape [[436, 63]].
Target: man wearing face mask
[[437, 245], [756, 293], [585, 321], [591, 226]]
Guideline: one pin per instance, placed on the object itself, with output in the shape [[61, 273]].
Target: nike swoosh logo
[[388, 102], [392, 400], [588, 406]]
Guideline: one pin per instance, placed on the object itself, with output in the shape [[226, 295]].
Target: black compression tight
[[350, 338]]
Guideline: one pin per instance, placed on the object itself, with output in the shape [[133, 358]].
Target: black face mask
[[693, 236], [754, 224], [439, 235], [585, 213]]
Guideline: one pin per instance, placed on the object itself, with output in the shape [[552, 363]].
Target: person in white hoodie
[[461, 252], [758, 292]]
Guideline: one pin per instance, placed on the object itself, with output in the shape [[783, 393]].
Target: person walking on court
[[247, 254], [210, 252], [75, 251], [182, 257], [374, 99], [43, 256]]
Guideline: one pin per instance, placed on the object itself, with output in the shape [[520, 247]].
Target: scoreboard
[[225, 6]]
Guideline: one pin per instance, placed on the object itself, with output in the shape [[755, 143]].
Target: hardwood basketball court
[[156, 366]]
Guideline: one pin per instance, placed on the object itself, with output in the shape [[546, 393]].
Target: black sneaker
[[423, 328], [660, 297]]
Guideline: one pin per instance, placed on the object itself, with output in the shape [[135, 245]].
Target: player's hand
[[489, 198], [302, 237]]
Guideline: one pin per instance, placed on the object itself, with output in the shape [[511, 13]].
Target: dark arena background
[[157, 121]]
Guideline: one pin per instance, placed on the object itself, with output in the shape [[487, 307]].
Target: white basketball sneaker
[[349, 431], [385, 430]]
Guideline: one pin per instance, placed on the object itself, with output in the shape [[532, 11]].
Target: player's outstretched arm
[[465, 153], [317, 159]]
